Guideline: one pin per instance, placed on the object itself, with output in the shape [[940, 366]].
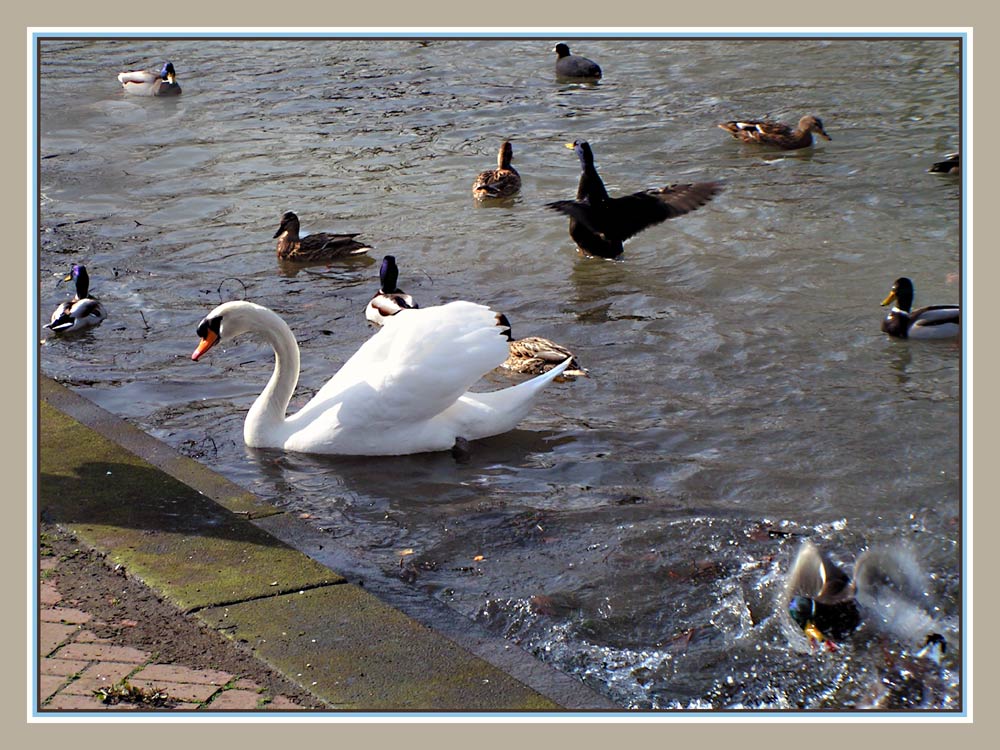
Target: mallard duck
[[777, 133], [574, 66], [600, 224], [390, 299], [534, 355], [404, 391], [150, 82], [821, 596], [932, 322], [314, 248], [502, 182], [83, 311], [888, 590], [952, 164]]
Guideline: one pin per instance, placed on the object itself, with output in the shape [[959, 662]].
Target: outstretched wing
[[633, 213]]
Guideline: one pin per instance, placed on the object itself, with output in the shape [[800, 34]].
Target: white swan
[[404, 391]]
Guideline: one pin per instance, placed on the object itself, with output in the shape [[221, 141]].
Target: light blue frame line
[[715, 715], [35, 369]]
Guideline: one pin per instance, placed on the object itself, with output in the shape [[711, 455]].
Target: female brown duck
[[534, 355], [313, 248], [778, 134], [502, 182]]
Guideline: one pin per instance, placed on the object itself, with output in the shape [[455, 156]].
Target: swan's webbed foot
[[461, 451]]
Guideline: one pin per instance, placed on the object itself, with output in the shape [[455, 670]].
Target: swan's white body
[[404, 391]]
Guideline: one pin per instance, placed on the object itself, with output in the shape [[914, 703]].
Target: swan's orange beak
[[210, 340]]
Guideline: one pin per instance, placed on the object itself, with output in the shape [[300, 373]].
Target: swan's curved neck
[[265, 423]]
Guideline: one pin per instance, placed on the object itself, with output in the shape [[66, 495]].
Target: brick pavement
[[74, 663]]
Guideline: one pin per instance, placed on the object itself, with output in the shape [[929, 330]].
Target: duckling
[[777, 133], [574, 66], [83, 311], [888, 590], [534, 355], [952, 164], [932, 322], [599, 224], [390, 299], [313, 248], [151, 83], [502, 182]]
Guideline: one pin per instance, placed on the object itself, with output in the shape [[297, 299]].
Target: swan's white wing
[[417, 365]]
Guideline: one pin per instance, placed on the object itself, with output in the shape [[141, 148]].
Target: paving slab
[[357, 653], [168, 534]]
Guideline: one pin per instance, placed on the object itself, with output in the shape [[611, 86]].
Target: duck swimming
[[952, 164], [390, 299], [313, 248], [599, 224], [932, 322], [150, 82], [888, 589], [574, 66], [534, 355], [404, 391], [777, 134], [83, 311], [502, 182]]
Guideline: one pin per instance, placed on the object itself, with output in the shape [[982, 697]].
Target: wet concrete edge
[[561, 689]]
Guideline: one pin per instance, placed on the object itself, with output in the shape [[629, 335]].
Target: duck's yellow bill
[[570, 145], [890, 298], [813, 632], [210, 340]]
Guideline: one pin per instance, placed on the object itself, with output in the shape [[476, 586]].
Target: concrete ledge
[[358, 653], [187, 533]]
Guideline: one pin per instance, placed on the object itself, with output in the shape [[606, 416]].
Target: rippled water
[[637, 528]]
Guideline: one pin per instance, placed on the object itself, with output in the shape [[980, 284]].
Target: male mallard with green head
[[83, 311], [390, 298], [888, 590], [151, 82], [931, 322]]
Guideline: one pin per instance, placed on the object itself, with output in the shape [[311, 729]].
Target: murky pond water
[[636, 530]]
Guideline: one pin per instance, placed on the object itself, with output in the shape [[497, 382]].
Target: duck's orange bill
[[210, 340], [890, 298]]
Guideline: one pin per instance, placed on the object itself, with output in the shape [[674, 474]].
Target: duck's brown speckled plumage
[[314, 248], [534, 355], [502, 182], [768, 133]]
